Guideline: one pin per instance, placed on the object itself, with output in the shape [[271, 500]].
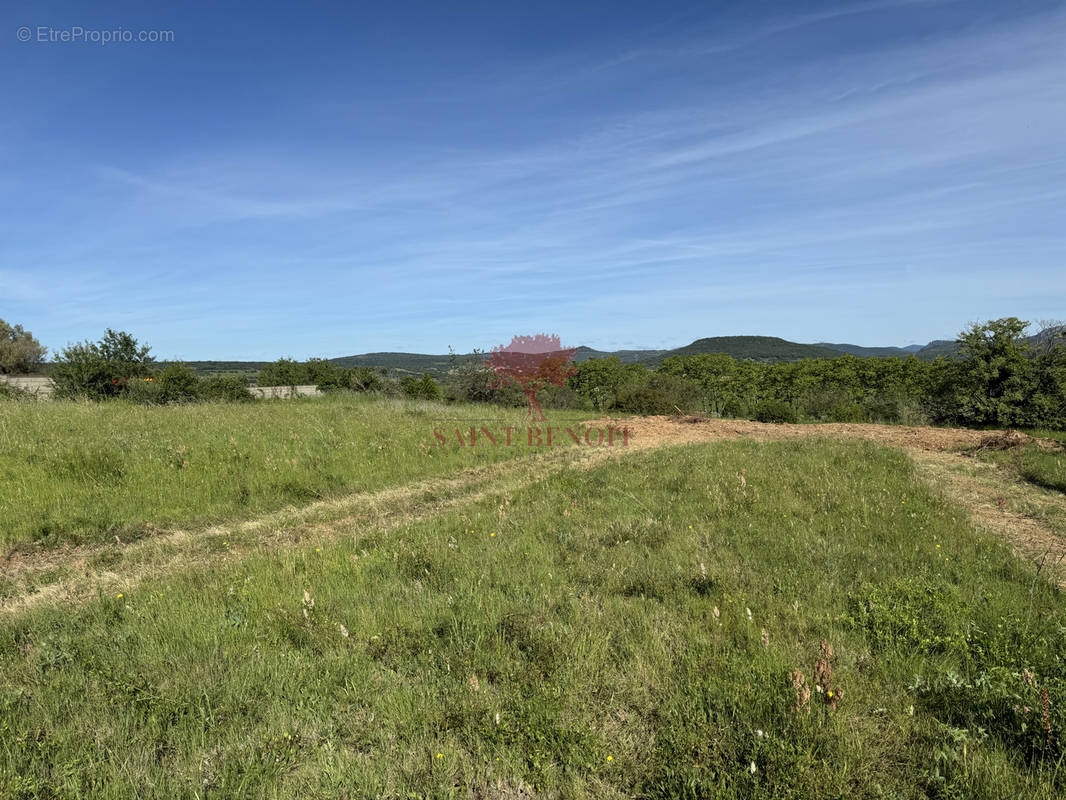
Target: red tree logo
[[532, 362]]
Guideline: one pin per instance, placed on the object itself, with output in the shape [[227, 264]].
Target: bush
[[99, 370], [144, 392], [424, 388], [733, 408], [661, 393], [848, 412], [177, 384], [562, 397], [363, 379], [283, 372], [775, 411], [226, 388], [8, 392]]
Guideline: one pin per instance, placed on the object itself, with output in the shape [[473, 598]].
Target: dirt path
[[72, 574], [1031, 520], [657, 431]]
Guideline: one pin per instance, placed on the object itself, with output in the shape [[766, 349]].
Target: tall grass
[[1034, 464], [637, 630], [72, 472]]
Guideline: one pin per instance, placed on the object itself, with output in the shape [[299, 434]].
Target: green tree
[[994, 373], [600, 379], [19, 350], [98, 370], [283, 372]]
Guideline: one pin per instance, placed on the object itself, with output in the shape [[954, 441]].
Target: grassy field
[[76, 472], [737, 619], [1032, 463]]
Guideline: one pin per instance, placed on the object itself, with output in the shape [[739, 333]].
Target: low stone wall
[[283, 392], [37, 385], [41, 386]]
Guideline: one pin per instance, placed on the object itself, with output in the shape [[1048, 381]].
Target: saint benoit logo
[[531, 363]]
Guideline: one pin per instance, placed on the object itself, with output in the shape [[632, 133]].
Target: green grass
[[624, 631], [73, 472], [1045, 468]]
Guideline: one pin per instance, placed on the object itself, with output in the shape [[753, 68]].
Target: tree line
[[997, 378]]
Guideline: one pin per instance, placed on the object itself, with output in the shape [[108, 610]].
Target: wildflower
[[492, 534], [610, 758], [823, 676], [440, 755], [749, 613], [716, 612], [318, 549], [752, 768], [344, 631], [765, 638], [119, 595]]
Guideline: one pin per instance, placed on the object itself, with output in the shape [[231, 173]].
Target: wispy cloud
[[848, 182]]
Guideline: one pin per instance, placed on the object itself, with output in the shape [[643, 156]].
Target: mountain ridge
[[766, 349]]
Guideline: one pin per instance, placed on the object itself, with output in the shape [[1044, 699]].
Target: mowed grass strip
[[639, 629], [1041, 466], [87, 472]]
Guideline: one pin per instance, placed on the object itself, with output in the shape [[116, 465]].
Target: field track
[[1030, 519]]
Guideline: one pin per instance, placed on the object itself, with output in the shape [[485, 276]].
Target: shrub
[[99, 370], [562, 397], [424, 388], [472, 380], [363, 379], [8, 392], [283, 372], [177, 384], [775, 411], [228, 388], [882, 409], [144, 392], [661, 393], [733, 408], [848, 412]]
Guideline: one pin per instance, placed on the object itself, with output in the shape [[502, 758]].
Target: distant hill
[[625, 356], [872, 352], [413, 363], [926, 352], [755, 348], [937, 348], [766, 349]]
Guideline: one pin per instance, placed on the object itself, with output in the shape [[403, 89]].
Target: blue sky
[[325, 179]]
